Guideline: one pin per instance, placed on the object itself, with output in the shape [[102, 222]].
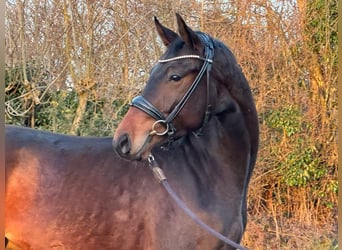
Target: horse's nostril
[[124, 144]]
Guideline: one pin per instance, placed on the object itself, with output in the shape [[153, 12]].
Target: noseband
[[141, 103]]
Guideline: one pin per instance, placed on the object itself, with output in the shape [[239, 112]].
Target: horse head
[[186, 87]]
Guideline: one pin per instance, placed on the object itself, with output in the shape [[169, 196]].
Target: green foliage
[[321, 15], [13, 82], [19, 104], [300, 162], [94, 122], [302, 167], [287, 120], [322, 27], [56, 111], [57, 114], [121, 107]]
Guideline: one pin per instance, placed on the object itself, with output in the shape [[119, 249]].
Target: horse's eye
[[175, 78]]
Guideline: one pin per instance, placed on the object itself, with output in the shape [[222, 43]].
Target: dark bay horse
[[66, 192]]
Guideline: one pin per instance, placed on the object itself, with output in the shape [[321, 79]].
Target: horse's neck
[[212, 140], [223, 143], [203, 153], [198, 167]]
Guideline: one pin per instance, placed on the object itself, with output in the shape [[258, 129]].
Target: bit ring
[[155, 132]]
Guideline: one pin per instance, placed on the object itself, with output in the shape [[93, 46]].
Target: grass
[[262, 233]]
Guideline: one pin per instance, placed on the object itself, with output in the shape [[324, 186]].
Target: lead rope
[[160, 176]]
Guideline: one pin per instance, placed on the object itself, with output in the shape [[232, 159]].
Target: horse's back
[[58, 186], [30, 146]]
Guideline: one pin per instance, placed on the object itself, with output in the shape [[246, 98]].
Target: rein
[[160, 176]]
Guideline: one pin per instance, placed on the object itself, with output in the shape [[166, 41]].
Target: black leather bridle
[[141, 103]]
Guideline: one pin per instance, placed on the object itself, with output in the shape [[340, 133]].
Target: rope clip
[[157, 171]]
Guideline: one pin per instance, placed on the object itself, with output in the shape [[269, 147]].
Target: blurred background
[[72, 67]]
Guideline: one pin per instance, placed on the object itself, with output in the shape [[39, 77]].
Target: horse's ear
[[166, 35], [188, 35]]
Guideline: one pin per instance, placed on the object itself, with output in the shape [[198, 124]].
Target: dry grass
[[262, 234]]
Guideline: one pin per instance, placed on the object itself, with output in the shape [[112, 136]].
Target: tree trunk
[[81, 108], [33, 97]]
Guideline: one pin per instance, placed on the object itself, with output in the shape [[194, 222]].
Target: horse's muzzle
[[123, 146]]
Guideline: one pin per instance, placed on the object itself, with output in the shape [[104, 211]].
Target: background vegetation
[[72, 66]]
